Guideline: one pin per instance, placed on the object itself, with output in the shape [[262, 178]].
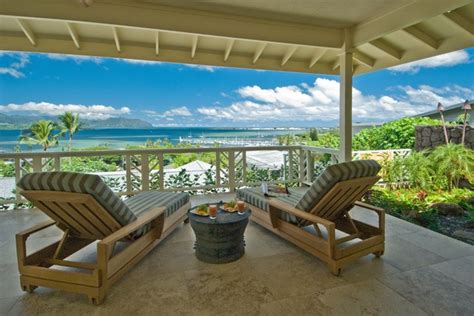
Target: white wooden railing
[[144, 170]]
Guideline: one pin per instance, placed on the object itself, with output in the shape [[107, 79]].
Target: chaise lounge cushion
[[255, 197], [145, 201], [124, 212], [334, 174], [305, 199], [80, 183]]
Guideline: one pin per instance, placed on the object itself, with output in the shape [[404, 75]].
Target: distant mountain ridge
[[25, 121]]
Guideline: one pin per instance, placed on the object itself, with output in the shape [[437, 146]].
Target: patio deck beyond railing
[[140, 170]]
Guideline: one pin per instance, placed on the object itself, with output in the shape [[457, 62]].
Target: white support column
[[345, 101]]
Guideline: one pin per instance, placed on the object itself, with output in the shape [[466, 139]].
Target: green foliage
[[182, 180], [7, 170], [69, 124], [256, 175], [327, 140], [415, 205], [88, 164], [313, 134], [441, 169], [460, 119], [393, 135], [452, 163], [42, 133], [287, 140]]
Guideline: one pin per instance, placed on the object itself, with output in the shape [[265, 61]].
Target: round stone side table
[[219, 240]]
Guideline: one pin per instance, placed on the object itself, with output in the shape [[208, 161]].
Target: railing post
[[37, 164], [128, 171], [290, 165], [57, 163], [309, 166], [161, 171], [301, 167], [145, 170], [218, 168], [231, 170], [17, 177], [244, 167]]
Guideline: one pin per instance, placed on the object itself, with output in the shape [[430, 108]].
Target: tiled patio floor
[[421, 272]]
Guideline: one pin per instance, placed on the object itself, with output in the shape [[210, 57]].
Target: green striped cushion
[[147, 200], [80, 183], [255, 197], [333, 174]]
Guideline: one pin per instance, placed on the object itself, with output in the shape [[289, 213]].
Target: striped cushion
[[80, 183], [255, 197], [333, 174], [147, 200], [306, 198]]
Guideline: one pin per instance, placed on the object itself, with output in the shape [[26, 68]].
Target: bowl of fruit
[[230, 206], [201, 210]]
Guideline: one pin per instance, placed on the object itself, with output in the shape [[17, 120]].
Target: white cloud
[[202, 67], [181, 111], [445, 60], [76, 58], [138, 61], [320, 101], [20, 60], [99, 112]]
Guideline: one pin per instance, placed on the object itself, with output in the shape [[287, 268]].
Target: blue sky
[[171, 94]]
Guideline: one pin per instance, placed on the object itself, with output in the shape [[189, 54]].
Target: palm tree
[[42, 133], [70, 124]]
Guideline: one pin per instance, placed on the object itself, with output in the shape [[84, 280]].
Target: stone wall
[[431, 136]]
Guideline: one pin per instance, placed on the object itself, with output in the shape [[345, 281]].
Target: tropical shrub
[[451, 163], [7, 170], [393, 135]]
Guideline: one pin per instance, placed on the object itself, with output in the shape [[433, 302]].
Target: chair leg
[[186, 220], [378, 254], [28, 288]]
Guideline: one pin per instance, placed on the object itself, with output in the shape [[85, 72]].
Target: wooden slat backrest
[[79, 212], [342, 197]]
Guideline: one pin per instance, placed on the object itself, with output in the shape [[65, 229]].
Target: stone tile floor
[[421, 273]]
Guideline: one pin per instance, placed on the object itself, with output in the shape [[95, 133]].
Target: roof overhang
[[245, 35]]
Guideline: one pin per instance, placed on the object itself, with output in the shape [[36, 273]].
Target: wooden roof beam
[[387, 48], [259, 51], [402, 17], [228, 48], [316, 57], [116, 38], [290, 51], [460, 21], [72, 31], [157, 43], [422, 36], [25, 27], [194, 45], [175, 19], [363, 58]]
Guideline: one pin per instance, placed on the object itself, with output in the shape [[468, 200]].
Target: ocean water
[[118, 138]]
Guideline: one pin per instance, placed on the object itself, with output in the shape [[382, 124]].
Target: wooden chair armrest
[[36, 228], [376, 209], [130, 228], [298, 213], [380, 212]]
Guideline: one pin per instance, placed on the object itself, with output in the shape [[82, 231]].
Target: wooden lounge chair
[[325, 204], [86, 210]]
